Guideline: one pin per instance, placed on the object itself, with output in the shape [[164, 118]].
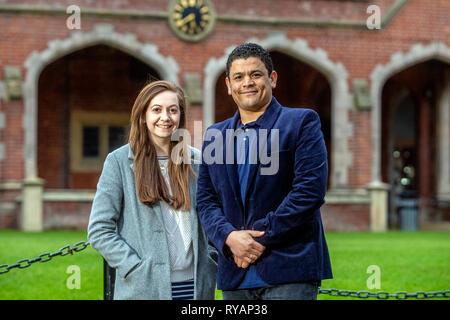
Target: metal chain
[[401, 295], [64, 251], [80, 246]]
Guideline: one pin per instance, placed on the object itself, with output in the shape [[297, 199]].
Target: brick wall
[[346, 217], [66, 215], [9, 209], [97, 79], [359, 50]]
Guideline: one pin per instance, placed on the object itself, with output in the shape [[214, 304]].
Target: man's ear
[[227, 82], [273, 79]]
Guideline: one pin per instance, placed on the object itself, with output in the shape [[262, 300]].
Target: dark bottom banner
[[262, 310]]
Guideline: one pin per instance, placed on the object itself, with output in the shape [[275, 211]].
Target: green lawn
[[47, 280], [408, 261]]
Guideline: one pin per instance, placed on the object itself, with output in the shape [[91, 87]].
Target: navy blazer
[[286, 204]]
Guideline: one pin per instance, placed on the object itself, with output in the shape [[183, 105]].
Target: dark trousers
[[290, 291]]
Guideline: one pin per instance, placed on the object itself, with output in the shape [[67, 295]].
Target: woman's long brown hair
[[150, 184]]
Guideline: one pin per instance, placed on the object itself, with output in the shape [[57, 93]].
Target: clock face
[[191, 20]]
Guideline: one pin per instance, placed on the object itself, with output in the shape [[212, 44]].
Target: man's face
[[249, 84]]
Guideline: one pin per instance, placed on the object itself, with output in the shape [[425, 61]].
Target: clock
[[191, 20]]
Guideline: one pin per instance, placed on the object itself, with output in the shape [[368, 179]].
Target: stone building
[[376, 71]]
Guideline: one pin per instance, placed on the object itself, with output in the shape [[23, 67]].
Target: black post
[[109, 275]]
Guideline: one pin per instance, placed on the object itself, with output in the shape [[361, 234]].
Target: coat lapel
[[194, 219], [155, 208], [195, 236], [131, 157]]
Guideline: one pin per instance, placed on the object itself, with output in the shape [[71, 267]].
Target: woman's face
[[163, 115]]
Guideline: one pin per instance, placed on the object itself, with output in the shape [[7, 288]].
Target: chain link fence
[[64, 251], [109, 279], [383, 295]]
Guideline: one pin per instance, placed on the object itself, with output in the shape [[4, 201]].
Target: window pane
[[116, 138], [91, 136]]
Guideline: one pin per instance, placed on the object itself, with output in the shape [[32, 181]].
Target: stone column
[[31, 213], [379, 199], [443, 173], [425, 164]]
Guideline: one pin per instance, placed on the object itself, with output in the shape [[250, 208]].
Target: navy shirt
[[246, 151]]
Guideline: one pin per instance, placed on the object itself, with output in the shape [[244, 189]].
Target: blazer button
[[242, 228]]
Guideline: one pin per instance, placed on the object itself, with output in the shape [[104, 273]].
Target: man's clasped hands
[[245, 249]]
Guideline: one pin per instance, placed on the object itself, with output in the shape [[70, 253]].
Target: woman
[[143, 219]]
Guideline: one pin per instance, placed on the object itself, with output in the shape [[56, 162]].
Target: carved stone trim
[[101, 34], [381, 73]]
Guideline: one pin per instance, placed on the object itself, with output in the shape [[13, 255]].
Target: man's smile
[[253, 92]]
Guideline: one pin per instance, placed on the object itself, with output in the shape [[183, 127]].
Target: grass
[[408, 261], [47, 280]]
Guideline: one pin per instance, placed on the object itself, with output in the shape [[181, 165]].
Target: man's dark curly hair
[[247, 50]]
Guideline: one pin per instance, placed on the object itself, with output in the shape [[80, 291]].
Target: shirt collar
[[263, 121], [253, 124]]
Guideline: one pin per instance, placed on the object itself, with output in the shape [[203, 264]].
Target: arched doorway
[[101, 34], [340, 155], [84, 103], [410, 138], [298, 85]]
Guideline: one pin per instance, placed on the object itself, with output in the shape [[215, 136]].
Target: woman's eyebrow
[[159, 105]]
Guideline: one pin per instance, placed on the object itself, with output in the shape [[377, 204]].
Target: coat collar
[[130, 153], [131, 156]]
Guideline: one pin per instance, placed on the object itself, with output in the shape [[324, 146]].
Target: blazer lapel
[[228, 157], [266, 122]]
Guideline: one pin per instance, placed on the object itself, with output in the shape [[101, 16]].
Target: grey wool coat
[[131, 237]]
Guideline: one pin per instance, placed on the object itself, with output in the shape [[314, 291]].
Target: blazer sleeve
[[210, 212], [308, 186], [106, 211]]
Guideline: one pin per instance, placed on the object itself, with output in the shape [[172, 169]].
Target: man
[[263, 217]]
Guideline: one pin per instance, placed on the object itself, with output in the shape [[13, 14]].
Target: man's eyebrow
[[252, 71]]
